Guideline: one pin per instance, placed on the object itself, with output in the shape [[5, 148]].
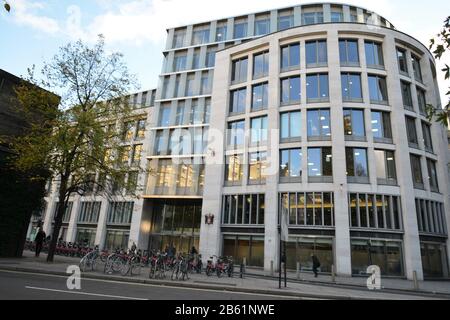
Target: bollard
[[333, 274], [271, 268], [298, 270], [416, 282]]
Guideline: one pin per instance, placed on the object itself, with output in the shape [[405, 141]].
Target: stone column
[[342, 252]]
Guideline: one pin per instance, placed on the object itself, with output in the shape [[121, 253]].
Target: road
[[28, 286]]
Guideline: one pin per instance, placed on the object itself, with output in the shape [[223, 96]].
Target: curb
[[410, 292], [165, 283]]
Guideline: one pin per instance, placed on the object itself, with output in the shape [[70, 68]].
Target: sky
[[34, 29]]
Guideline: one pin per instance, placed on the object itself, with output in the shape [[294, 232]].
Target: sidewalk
[[255, 281]]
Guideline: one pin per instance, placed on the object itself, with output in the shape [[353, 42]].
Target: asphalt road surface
[[28, 286]]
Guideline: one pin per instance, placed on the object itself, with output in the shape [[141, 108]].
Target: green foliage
[[79, 142], [440, 46], [7, 6]]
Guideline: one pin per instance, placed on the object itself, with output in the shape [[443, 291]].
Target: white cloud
[[25, 13]]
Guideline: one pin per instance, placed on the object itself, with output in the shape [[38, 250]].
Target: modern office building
[[314, 111], [107, 220]]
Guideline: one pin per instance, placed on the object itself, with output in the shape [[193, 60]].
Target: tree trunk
[[57, 221]]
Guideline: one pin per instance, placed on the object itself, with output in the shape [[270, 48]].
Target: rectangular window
[[319, 124], [290, 90], [426, 130], [378, 89], [240, 30], [348, 52], [204, 84], [374, 54], [132, 182], [381, 126], [260, 65], [178, 39], [221, 33], [260, 96], [317, 88], [385, 165], [285, 22], [196, 60], [89, 212], [312, 18], [319, 208], [237, 100], [239, 70], [120, 213], [140, 129], [290, 57], [234, 170], [259, 130], [417, 68], [236, 134], [137, 154], [432, 174], [357, 167], [179, 120], [354, 124], [164, 117], [262, 27], [165, 174], [422, 101], [402, 61], [320, 164], [416, 169], [190, 85], [371, 211], [179, 63], [127, 133], [412, 132], [337, 16], [291, 126], [159, 142], [406, 95], [351, 87], [210, 58], [247, 209], [257, 167], [200, 37], [316, 54], [290, 165]]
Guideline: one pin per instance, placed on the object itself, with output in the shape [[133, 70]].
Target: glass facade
[[357, 165], [243, 209], [291, 126], [349, 52], [317, 88], [374, 54], [250, 247], [319, 124], [237, 100], [386, 254], [378, 89], [354, 123], [290, 57], [316, 53], [320, 162], [260, 96], [300, 249], [290, 90], [351, 87], [311, 209], [291, 165], [260, 65]]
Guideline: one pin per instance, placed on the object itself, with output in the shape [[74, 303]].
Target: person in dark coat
[[39, 240], [194, 251], [316, 265]]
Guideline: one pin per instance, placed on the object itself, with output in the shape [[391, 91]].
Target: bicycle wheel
[[125, 269], [82, 264], [117, 264], [174, 275], [135, 267]]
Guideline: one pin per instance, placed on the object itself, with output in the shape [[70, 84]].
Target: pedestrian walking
[[316, 265], [39, 240]]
